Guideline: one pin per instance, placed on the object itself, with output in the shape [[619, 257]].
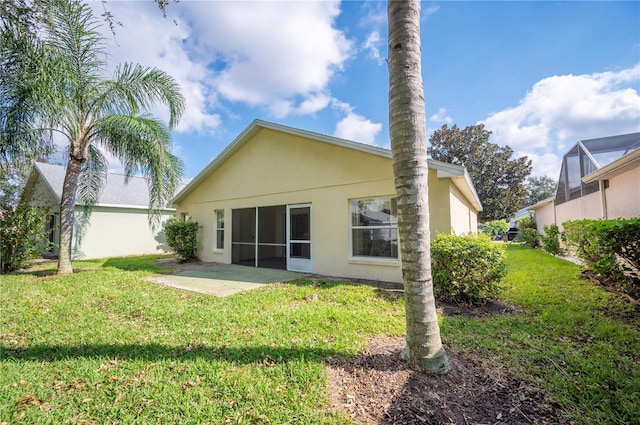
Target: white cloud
[[151, 40], [277, 55], [429, 10], [567, 108], [442, 116], [545, 164], [371, 45], [357, 128], [560, 110], [313, 104]]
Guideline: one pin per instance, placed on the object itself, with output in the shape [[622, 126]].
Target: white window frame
[[217, 228], [389, 226]]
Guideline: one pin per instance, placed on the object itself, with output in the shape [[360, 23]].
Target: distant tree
[[539, 188], [64, 91], [496, 175]]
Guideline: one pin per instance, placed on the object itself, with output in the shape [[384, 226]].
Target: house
[[599, 179], [287, 198], [118, 224]]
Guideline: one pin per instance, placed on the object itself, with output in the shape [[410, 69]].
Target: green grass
[[567, 339], [106, 346]]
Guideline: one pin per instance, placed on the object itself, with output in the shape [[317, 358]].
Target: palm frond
[[136, 88], [143, 146], [72, 33], [92, 179]]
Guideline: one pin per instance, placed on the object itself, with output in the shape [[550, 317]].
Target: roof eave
[[445, 170], [541, 203], [256, 126]]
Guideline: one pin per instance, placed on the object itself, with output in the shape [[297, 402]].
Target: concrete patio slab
[[224, 279]]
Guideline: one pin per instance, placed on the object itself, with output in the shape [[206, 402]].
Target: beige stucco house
[[287, 198], [118, 224], [599, 179]]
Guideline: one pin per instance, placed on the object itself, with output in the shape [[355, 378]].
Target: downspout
[[603, 200]]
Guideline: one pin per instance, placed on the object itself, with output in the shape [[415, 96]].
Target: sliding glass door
[[258, 237], [277, 237]]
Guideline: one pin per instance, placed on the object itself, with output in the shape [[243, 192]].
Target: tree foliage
[[495, 227], [21, 226], [61, 88], [496, 175], [539, 188]]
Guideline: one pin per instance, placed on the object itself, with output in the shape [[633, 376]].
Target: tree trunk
[[407, 128], [67, 214]]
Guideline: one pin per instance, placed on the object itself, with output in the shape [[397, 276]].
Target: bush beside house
[[182, 237], [611, 248], [467, 269]]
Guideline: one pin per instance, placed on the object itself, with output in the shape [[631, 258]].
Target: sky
[[539, 75]]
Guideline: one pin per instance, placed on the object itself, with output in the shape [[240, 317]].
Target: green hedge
[[182, 237], [467, 269], [22, 236], [551, 240], [611, 248]]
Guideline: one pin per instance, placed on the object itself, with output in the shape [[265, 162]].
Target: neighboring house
[[118, 224], [599, 179], [286, 198]]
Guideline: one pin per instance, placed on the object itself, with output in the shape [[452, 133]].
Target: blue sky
[[540, 75]]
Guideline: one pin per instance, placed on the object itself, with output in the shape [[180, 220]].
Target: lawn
[[106, 346]]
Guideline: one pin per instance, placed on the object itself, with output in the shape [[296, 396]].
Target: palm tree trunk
[[407, 128], [67, 214]]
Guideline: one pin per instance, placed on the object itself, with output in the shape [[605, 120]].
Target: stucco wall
[[588, 206], [544, 216], [279, 169], [114, 232], [623, 195], [464, 219]]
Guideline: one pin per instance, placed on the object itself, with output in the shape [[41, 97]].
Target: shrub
[[529, 237], [467, 269], [182, 237], [495, 227], [611, 248], [22, 236], [551, 240]]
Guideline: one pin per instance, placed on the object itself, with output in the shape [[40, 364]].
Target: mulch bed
[[377, 387]]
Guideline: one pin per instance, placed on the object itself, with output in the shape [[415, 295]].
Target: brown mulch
[[377, 387]]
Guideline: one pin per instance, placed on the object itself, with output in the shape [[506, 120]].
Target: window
[[219, 229], [374, 228]]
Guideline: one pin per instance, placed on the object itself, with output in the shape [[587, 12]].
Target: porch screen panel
[[243, 236], [272, 241]]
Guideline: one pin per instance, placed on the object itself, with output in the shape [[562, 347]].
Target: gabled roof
[[458, 175], [115, 192]]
